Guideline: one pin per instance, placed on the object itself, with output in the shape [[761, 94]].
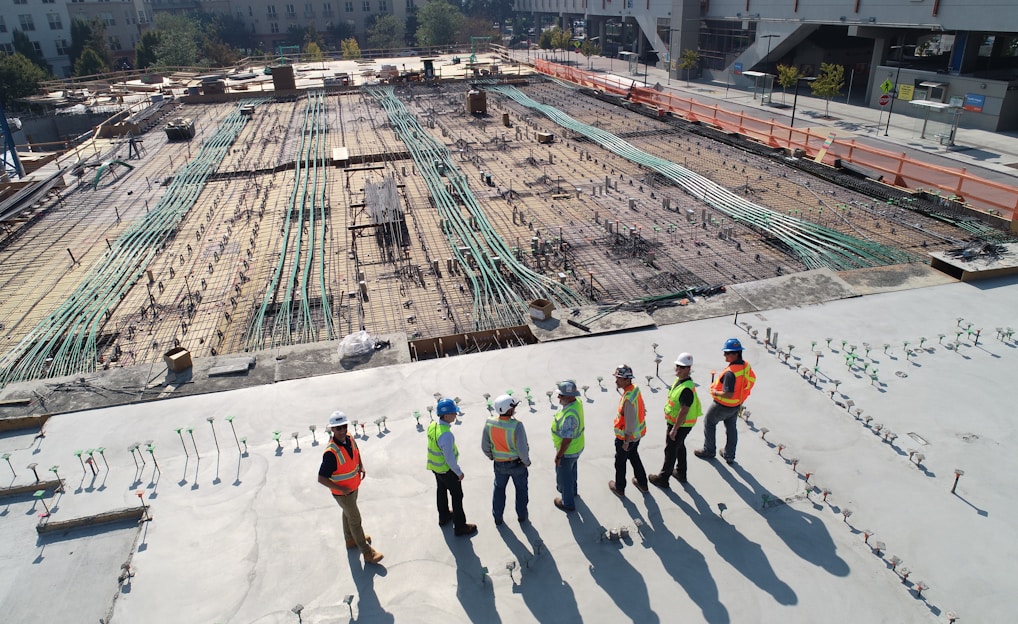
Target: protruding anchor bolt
[[312, 429], [721, 509], [958, 472], [826, 493], [895, 561], [919, 457], [781, 447], [846, 514], [904, 572], [763, 432], [296, 609], [878, 548], [920, 587], [866, 533], [795, 462]]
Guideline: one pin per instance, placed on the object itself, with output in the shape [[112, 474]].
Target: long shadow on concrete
[[609, 569], [687, 566], [475, 593], [745, 556], [369, 609], [544, 591], [803, 533]]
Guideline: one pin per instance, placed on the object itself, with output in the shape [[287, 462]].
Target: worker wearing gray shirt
[[505, 443]]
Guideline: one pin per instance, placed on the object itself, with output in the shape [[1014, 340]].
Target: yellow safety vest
[[576, 445], [672, 408], [436, 458]]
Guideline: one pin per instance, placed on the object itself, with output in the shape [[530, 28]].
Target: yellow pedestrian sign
[[887, 86]]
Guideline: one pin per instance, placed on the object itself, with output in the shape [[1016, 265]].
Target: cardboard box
[[178, 359], [540, 309]]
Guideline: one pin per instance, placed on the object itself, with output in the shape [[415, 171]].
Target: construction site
[[439, 210]]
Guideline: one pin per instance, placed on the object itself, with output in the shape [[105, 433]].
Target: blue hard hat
[[732, 344], [447, 406]]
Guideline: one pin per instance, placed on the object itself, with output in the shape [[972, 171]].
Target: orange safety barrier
[[898, 169]]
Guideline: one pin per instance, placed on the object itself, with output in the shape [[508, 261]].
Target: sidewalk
[[991, 155]]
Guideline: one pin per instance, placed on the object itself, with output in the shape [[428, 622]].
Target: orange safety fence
[[897, 168]]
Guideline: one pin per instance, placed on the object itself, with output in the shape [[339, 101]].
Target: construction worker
[[567, 436], [729, 391], [505, 443], [341, 471], [630, 427], [442, 460], [681, 411]]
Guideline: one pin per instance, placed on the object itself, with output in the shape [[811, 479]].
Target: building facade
[[952, 52]]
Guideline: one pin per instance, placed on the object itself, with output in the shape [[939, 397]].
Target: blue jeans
[[516, 471], [719, 413], [566, 480]]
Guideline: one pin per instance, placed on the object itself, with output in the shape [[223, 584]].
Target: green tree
[[828, 84], [145, 51], [215, 53], [588, 49], [89, 63], [19, 77], [788, 75], [313, 52], [338, 32], [350, 49], [90, 34], [439, 23], [180, 41], [23, 45], [546, 41], [689, 60], [387, 32]]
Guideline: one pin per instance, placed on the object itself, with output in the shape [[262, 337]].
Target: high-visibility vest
[[436, 458], [672, 407], [502, 435], [745, 379], [631, 396], [347, 476], [576, 445]]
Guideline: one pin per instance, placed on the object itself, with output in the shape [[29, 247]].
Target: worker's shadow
[[368, 606], [544, 591], [684, 564], [474, 590], [609, 567]]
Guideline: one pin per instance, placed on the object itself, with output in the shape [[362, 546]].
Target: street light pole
[[897, 75], [795, 98]]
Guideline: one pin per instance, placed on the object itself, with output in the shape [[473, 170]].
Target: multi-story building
[[963, 52], [47, 23]]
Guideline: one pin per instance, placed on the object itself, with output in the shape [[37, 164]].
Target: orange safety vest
[[745, 379], [347, 477], [502, 435], [631, 396]]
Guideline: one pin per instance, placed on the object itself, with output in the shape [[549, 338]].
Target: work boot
[[702, 454], [372, 556], [616, 491], [659, 481], [353, 544], [466, 530], [679, 476], [562, 506], [643, 488]]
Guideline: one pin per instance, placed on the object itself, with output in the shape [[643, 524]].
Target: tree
[[23, 46], [828, 84], [689, 60], [588, 49], [89, 63], [145, 51], [788, 75], [91, 34], [180, 38], [387, 32], [215, 53], [439, 23], [19, 77], [546, 40], [338, 32], [313, 52], [350, 49]]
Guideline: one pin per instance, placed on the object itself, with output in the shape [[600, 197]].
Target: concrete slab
[[599, 319], [798, 289], [245, 537], [894, 277]]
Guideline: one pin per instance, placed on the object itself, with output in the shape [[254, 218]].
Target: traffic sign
[[886, 86], [885, 99]]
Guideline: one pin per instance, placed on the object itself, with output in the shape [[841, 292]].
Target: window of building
[[26, 22], [291, 11], [3, 25], [271, 10], [327, 9], [348, 6], [274, 27], [309, 10], [62, 47], [409, 4], [54, 21], [20, 1], [108, 19], [8, 48], [37, 47], [367, 6], [383, 6], [49, 1], [115, 43]]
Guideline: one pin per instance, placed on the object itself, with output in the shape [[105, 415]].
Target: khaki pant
[[352, 530]]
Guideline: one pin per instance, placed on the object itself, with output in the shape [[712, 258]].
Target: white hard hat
[[338, 419], [504, 403], [684, 359]]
